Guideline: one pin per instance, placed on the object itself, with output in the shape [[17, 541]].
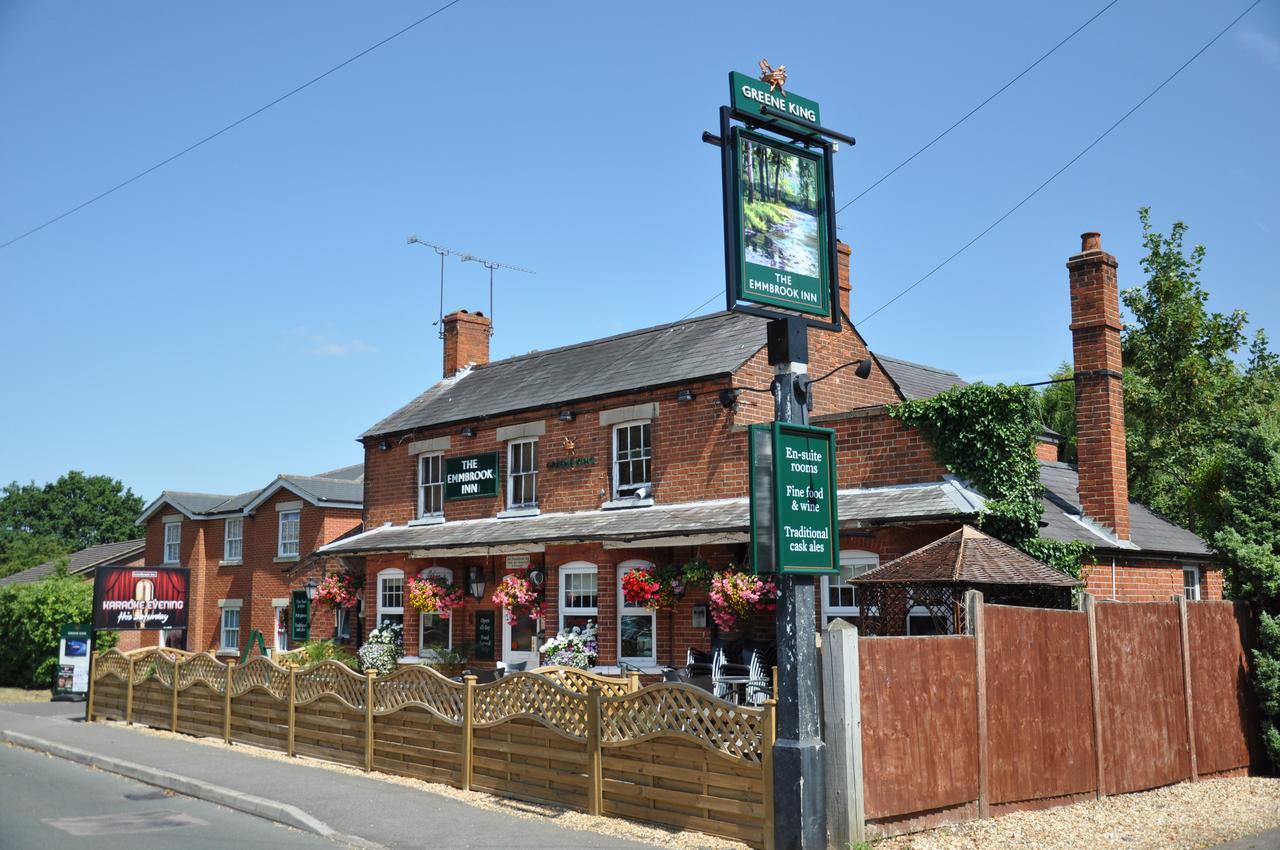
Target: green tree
[[1058, 409], [75, 511], [30, 616], [28, 550]]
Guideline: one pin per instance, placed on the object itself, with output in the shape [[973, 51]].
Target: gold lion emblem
[[775, 77]]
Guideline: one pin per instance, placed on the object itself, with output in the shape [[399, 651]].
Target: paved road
[[394, 816], [1269, 840], [49, 803]]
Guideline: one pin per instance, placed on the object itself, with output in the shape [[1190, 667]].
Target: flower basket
[[434, 595], [643, 588], [737, 597], [338, 590], [575, 648], [518, 596]]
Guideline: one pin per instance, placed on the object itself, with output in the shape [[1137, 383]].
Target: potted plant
[[383, 649], [338, 590], [736, 597], [518, 596], [434, 595], [575, 648]]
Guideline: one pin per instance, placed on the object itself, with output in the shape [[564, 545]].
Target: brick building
[[247, 553], [631, 450]]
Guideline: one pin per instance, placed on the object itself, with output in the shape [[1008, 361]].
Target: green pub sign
[[299, 616], [794, 516], [749, 95], [471, 476]]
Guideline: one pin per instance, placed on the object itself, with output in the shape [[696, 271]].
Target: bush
[[315, 651], [30, 617]]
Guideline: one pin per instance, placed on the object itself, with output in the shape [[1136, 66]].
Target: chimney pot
[[1090, 242]]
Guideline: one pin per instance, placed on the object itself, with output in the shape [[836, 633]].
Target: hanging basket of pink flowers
[[737, 597], [518, 596], [433, 595], [645, 587], [338, 590]]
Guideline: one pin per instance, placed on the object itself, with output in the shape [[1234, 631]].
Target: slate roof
[[343, 485], [1065, 520], [915, 380], [81, 562], [877, 505], [715, 344], [966, 556]]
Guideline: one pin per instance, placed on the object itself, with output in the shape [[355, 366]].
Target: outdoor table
[[737, 686]]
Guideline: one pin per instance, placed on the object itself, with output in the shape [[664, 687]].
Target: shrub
[[30, 617]]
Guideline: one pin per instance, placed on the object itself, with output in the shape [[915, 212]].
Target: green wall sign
[[484, 635], [780, 200], [794, 516], [749, 94], [299, 616], [471, 476]]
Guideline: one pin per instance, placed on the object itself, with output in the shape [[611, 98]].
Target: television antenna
[[491, 265]]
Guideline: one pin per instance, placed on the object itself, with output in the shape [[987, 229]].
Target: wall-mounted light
[[475, 582], [384, 445], [728, 398], [468, 431], [684, 395], [678, 588], [310, 586], [864, 369], [567, 415]]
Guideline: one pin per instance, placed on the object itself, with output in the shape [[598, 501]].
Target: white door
[[520, 641]]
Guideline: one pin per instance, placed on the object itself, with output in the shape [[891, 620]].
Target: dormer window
[[632, 454]]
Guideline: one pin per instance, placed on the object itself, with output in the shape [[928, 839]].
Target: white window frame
[[441, 573], [578, 568], [342, 624], [282, 541], [531, 473], [422, 485], [615, 461], [853, 562], [228, 607], [625, 610], [383, 578], [176, 542], [238, 524], [1186, 589], [280, 627]]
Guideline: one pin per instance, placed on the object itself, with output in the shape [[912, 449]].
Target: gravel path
[[1190, 815]]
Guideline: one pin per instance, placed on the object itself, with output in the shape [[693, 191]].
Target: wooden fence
[[669, 754], [1039, 707]]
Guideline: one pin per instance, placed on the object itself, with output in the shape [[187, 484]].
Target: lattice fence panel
[[203, 668], [111, 663], [678, 709], [535, 696], [330, 678], [579, 681], [260, 673], [420, 686]]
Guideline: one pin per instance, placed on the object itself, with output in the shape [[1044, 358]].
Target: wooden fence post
[[1185, 643], [842, 731], [128, 695], [226, 704], [368, 717], [769, 734], [595, 778], [468, 710], [293, 699], [975, 620], [1091, 610], [633, 682], [93, 671], [173, 714]]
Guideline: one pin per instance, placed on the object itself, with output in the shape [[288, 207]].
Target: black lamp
[[475, 582], [310, 586]]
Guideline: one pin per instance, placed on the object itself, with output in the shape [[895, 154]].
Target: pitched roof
[[915, 380], [1064, 519], [82, 561], [715, 344], [338, 487], [875, 505], [967, 556], [318, 490]]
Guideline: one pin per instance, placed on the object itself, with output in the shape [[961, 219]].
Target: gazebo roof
[[967, 556]]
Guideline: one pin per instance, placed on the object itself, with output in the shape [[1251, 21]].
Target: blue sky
[[249, 309]]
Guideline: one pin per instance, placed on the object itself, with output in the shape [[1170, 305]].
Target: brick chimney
[[466, 341], [843, 252], [1095, 338]]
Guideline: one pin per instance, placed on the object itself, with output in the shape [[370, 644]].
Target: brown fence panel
[[414, 742], [200, 711], [524, 759], [259, 718], [109, 694], [152, 704], [1039, 704], [328, 729], [678, 783], [919, 724], [1221, 692], [1144, 719]]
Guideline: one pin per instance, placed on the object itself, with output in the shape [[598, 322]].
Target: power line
[[231, 126], [973, 111], [1070, 163]]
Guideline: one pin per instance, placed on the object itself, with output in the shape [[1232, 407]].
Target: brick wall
[[1147, 580], [466, 340]]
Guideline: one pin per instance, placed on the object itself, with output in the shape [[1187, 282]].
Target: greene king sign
[[750, 94], [794, 516]]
